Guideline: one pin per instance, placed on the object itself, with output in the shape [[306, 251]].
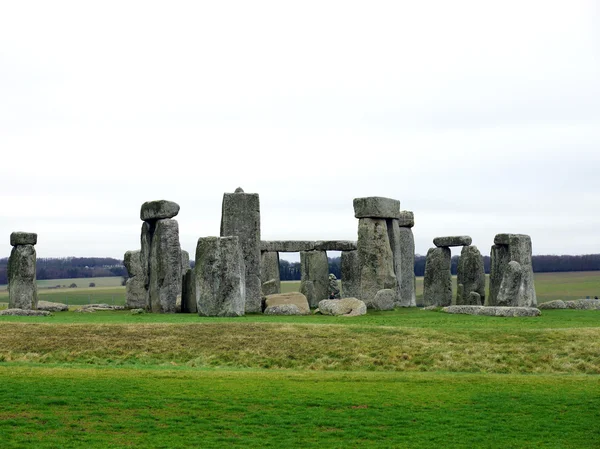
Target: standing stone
[[146, 244], [437, 284], [376, 259], [408, 297], [499, 258], [334, 287], [314, 268], [185, 268], [165, 267], [269, 271], [350, 269], [394, 237], [219, 274], [136, 295], [470, 274], [188, 293], [241, 217], [22, 289], [508, 295]]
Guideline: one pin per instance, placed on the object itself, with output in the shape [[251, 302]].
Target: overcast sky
[[481, 117]]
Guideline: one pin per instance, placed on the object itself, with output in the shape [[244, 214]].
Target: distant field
[[114, 281]]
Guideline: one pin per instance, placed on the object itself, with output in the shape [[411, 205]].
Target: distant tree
[[92, 284], [73, 285]]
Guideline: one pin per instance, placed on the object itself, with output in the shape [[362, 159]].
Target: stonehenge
[[22, 289], [437, 283], [470, 277], [136, 295], [315, 276]]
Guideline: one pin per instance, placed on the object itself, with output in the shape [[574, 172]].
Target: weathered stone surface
[[384, 300], [457, 240], [502, 239], [146, 235], [23, 238], [474, 299], [185, 262], [406, 219], [98, 308], [24, 312], [219, 275], [52, 306], [335, 245], [432, 308], [137, 311], [22, 289], [471, 275], [499, 258], [556, 304], [270, 288], [494, 311], [136, 295], [284, 309], [343, 307], [165, 267], [287, 246], [350, 270], [334, 287], [508, 295], [269, 271], [407, 295], [158, 210], [295, 298], [241, 217], [376, 207], [188, 293], [437, 283], [394, 237], [583, 304], [375, 256], [314, 282]]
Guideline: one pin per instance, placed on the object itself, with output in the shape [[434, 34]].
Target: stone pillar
[[437, 284], [315, 276], [470, 277], [393, 229], [136, 295], [350, 269], [240, 217], [269, 272], [160, 256], [22, 289], [220, 277], [185, 268], [408, 297]]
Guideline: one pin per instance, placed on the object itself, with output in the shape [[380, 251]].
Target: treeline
[[71, 267]]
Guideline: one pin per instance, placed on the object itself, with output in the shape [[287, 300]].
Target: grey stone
[[158, 210], [376, 207], [457, 240], [52, 306], [474, 299], [384, 300], [394, 237], [314, 282], [137, 311], [334, 287], [499, 258], [188, 293], [22, 289], [241, 217], [406, 219], [335, 245], [437, 283], [284, 309], [269, 271], [432, 308], [295, 298], [165, 267], [583, 304], [146, 235], [494, 311], [24, 312], [471, 275], [342, 307], [508, 295], [375, 256], [100, 308], [23, 238], [287, 246], [502, 239], [350, 270], [219, 275], [407, 294], [136, 294], [556, 304], [185, 262], [239, 190], [270, 287]]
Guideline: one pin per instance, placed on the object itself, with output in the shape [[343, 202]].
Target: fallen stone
[[350, 270], [583, 304], [494, 311], [165, 267], [384, 300], [343, 307], [219, 275], [23, 238], [458, 240], [295, 298], [432, 308], [240, 216], [471, 275], [284, 309], [406, 219], [158, 210], [24, 312], [314, 282], [52, 306], [376, 260], [22, 289], [100, 307], [437, 282], [556, 304], [137, 311], [376, 207]]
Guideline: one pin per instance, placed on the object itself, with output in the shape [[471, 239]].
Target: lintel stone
[[457, 240], [158, 210], [376, 207], [23, 238], [406, 219]]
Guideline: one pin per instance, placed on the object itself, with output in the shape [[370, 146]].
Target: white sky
[[481, 117]]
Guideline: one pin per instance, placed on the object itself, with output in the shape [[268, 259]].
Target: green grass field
[[404, 378]]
